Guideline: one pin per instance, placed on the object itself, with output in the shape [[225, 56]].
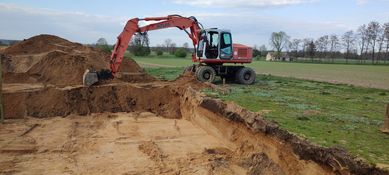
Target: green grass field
[[325, 113], [376, 76]]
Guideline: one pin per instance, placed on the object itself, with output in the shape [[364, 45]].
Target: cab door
[[226, 52]]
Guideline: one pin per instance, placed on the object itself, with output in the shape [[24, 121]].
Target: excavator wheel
[[205, 74], [245, 75]]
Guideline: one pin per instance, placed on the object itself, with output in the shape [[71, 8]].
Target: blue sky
[[251, 21]]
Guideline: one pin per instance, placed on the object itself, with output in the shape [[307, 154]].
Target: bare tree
[[306, 42], [186, 46], [311, 49], [381, 39], [363, 40], [348, 42], [168, 42], [334, 45], [279, 41], [295, 44], [373, 29], [262, 48], [322, 45], [386, 33], [173, 48]]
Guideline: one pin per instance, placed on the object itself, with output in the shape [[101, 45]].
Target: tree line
[[140, 46], [369, 43]]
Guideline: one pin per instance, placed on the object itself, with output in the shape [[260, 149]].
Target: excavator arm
[[132, 27]]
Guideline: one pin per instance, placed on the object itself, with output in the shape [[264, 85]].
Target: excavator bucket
[[89, 78], [385, 128]]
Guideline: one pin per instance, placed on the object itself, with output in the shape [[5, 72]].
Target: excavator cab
[[215, 44]]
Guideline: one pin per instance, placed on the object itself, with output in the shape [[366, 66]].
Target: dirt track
[[136, 125]]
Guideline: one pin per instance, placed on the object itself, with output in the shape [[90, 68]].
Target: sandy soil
[[120, 143]]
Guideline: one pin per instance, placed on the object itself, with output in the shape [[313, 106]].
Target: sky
[[250, 21]]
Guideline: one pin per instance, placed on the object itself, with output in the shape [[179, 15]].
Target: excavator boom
[[132, 27]]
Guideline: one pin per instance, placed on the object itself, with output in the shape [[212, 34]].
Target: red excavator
[[213, 48]]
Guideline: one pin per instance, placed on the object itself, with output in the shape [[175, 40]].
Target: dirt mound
[[129, 65], [39, 44], [53, 60], [62, 68], [188, 79]]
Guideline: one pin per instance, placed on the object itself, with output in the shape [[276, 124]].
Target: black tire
[[205, 74], [245, 75]]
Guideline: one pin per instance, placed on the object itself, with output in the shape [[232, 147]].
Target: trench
[[244, 143]]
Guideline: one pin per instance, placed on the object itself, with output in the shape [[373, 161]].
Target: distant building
[[271, 56]]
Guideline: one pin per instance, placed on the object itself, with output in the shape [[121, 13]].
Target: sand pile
[[53, 60]]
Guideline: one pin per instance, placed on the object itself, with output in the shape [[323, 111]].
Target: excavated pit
[[146, 127]]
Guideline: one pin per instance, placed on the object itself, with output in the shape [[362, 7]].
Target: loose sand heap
[[49, 59], [137, 125]]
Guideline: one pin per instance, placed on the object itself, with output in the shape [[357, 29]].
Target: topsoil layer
[[53, 60]]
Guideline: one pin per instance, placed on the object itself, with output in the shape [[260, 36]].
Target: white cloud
[[248, 27], [241, 3], [19, 22]]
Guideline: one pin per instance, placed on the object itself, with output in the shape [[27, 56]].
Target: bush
[[159, 52], [105, 48], [181, 52], [139, 50]]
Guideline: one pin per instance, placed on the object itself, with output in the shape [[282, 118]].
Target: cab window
[[226, 46]]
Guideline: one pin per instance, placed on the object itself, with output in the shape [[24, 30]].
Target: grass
[[164, 73], [375, 76], [324, 113]]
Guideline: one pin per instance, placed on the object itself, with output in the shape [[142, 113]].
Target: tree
[[180, 52], [348, 41], [322, 44], [334, 45], [373, 30], [362, 39], [168, 42], [186, 46], [279, 41], [295, 46], [139, 45], [102, 44], [306, 42], [173, 48], [256, 52], [263, 50], [101, 41], [311, 49], [386, 34], [381, 40]]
